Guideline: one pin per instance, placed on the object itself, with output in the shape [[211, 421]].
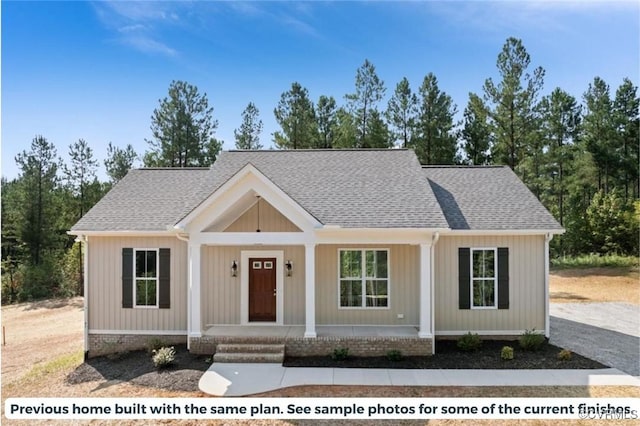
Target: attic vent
[[258, 228]]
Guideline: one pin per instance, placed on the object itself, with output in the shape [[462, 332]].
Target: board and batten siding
[[271, 220], [526, 286], [105, 287], [220, 292], [404, 273]]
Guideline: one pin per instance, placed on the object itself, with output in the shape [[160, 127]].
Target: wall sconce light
[[289, 267], [234, 269]]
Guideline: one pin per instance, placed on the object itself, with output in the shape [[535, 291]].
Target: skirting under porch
[[360, 340]]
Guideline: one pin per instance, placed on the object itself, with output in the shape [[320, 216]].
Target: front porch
[[361, 340]]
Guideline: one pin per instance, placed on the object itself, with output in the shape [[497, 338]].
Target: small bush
[[565, 355], [155, 343], [469, 342], [530, 340], [340, 354], [164, 357], [506, 353], [394, 355]]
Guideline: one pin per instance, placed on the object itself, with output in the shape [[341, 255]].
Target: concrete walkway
[[247, 379]]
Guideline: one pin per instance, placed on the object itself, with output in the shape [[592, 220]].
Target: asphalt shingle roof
[[348, 188], [144, 200], [487, 198]]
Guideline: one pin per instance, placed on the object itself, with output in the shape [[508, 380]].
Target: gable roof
[[347, 188], [487, 198]]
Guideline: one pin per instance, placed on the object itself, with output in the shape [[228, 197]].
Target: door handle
[[274, 292]]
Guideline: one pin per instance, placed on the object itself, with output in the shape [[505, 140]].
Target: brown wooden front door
[[262, 289]]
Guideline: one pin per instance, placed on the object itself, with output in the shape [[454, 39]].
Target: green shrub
[[565, 355], [164, 357], [595, 261], [340, 354], [530, 340], [394, 355], [155, 343], [469, 342], [506, 353]]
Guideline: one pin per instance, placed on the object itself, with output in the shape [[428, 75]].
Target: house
[[314, 250]]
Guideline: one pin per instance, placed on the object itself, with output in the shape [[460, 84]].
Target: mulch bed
[[448, 356], [137, 368]]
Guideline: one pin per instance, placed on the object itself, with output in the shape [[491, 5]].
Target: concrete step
[[240, 357], [249, 348]]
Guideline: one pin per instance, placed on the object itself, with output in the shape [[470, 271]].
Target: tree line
[[580, 157]]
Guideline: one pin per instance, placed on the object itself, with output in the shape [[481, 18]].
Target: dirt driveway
[[54, 325]]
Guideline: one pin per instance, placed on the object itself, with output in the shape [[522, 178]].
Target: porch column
[[425, 291], [310, 290], [194, 324]]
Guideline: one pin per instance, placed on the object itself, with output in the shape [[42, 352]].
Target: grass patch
[[595, 261], [56, 365]]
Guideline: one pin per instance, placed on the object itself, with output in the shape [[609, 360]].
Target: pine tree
[[401, 113], [296, 116], [512, 104], [435, 141], [248, 135], [369, 91], [476, 133], [182, 128], [119, 162], [627, 122], [326, 121]]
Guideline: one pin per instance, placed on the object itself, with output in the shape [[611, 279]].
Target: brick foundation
[[104, 344], [299, 346]]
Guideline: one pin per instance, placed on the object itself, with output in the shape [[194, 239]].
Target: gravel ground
[[606, 332]]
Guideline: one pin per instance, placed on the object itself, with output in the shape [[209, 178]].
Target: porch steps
[[249, 352]]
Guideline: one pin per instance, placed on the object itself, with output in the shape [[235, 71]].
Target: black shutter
[[464, 278], [165, 274], [127, 278], [503, 278]]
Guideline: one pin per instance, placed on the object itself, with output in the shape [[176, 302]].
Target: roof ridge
[[463, 166], [320, 150], [172, 168]]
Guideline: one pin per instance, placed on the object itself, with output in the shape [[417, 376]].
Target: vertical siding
[[220, 292], [404, 273], [526, 286], [105, 286], [271, 220]]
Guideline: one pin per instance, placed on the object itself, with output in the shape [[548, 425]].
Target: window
[[483, 278], [364, 278], [146, 277]]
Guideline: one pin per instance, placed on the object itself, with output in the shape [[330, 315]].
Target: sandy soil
[[39, 332], [595, 285]]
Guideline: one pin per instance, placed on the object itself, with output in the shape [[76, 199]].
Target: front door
[[262, 289]]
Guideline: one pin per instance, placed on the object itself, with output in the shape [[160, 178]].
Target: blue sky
[[96, 70]]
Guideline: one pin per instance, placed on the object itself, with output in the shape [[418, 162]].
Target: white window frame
[[494, 279], [156, 279], [363, 279]]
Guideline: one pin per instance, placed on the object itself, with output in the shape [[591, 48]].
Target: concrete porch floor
[[293, 331]]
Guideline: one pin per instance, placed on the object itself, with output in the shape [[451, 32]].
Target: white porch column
[[425, 291], [194, 324], [310, 290]]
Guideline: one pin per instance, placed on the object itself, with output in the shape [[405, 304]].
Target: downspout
[[84, 240], [434, 241], [547, 238], [186, 240]]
